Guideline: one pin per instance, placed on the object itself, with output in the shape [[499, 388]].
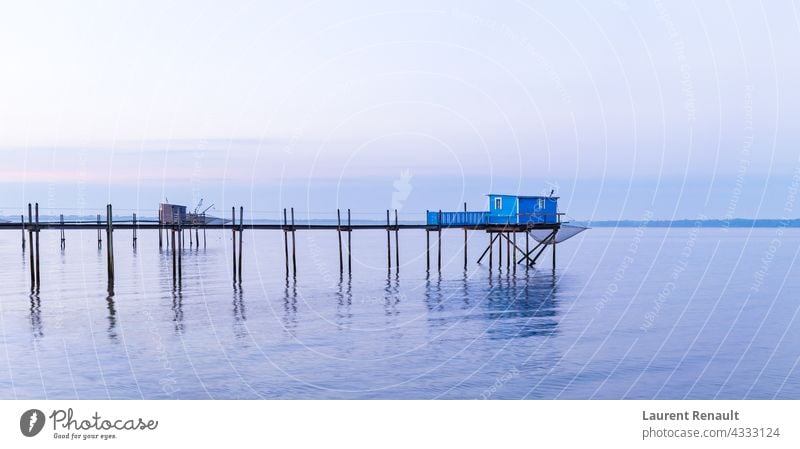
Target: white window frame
[[498, 203], [541, 203]]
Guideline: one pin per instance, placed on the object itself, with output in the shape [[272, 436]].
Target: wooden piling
[[527, 250], [174, 256], [339, 232], [134, 230], [508, 250], [38, 260], [285, 242], [99, 236], [294, 248], [30, 244], [204, 230], [241, 229], [349, 248], [180, 251], [388, 242], [543, 245], [22, 220], [554, 253], [63, 239], [160, 231], [500, 250], [396, 243], [515, 253], [488, 248], [233, 232], [110, 243], [427, 245], [465, 238], [440, 240], [491, 249]]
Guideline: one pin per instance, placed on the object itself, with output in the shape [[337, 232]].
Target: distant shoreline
[[685, 223]]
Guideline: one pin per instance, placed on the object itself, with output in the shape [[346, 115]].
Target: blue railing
[[436, 218], [458, 218]]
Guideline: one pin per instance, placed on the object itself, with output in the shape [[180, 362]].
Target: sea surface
[[627, 313]]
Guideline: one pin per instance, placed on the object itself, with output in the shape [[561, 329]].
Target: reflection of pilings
[[36, 315], [239, 313], [112, 315], [177, 310]]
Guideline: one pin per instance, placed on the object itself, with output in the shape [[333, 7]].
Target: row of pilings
[[172, 236]]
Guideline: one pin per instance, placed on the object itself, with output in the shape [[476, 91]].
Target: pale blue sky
[[679, 108]]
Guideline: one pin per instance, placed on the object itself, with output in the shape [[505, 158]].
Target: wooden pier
[[499, 235]]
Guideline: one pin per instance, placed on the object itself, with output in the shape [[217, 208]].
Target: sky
[[625, 109]]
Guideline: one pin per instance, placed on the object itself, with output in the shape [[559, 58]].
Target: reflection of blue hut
[[504, 210]]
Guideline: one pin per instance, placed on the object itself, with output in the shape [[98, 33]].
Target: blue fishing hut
[[518, 209], [504, 210]]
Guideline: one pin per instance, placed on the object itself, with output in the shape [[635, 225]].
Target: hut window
[[541, 203], [498, 203]]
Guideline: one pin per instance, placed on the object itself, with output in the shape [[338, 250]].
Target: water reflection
[[344, 302], [523, 309], [36, 315], [290, 305], [112, 314], [509, 307], [392, 295], [239, 313], [433, 294], [177, 310]]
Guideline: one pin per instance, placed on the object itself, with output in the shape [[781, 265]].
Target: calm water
[[629, 313]]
